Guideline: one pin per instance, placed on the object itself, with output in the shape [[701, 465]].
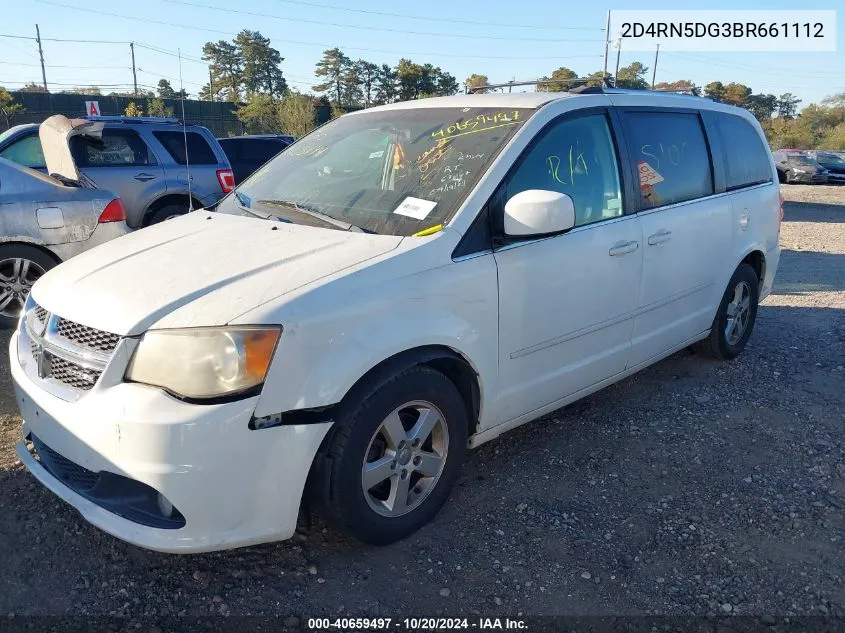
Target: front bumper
[[815, 179], [233, 486]]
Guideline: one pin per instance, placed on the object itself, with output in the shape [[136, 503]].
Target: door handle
[[144, 177], [623, 248], [659, 237]]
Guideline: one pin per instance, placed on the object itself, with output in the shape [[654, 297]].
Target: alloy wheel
[[738, 313], [17, 275], [405, 458]]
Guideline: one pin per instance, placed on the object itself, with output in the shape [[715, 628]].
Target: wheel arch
[[168, 198], [23, 241], [446, 360], [757, 260]]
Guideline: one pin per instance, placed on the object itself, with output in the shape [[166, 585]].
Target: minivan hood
[[198, 270], [55, 134]]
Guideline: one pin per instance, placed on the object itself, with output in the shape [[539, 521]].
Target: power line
[[298, 42], [80, 83], [369, 27], [760, 69], [20, 50], [60, 39], [59, 66], [406, 16]]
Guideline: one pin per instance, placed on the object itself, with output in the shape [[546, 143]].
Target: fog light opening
[[164, 506]]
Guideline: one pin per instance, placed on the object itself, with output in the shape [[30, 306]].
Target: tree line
[[819, 126]]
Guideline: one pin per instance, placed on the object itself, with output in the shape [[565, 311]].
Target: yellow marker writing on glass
[[429, 231]]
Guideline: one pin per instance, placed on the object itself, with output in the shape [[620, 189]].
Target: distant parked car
[[45, 220], [143, 160], [832, 162], [798, 166], [248, 153]]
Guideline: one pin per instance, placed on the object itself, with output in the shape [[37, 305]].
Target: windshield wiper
[[345, 226], [246, 204]]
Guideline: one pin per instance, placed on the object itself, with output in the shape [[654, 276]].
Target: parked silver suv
[[143, 160]]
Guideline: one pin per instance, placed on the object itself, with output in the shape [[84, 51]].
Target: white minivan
[[402, 283]]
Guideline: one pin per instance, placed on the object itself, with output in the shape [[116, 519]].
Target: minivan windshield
[[394, 172]]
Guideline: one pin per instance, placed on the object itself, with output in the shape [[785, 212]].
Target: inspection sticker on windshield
[[416, 208]]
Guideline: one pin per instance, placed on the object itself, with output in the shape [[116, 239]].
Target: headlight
[[204, 362]]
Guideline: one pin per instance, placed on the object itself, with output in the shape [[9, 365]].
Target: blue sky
[[521, 40]]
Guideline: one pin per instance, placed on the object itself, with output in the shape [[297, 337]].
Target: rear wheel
[[394, 456], [167, 212], [735, 318], [20, 267]]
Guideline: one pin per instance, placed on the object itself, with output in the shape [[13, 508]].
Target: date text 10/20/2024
[[416, 624]]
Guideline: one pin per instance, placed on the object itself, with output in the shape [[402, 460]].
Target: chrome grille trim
[[66, 353], [41, 315]]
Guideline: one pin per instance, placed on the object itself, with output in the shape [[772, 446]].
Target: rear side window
[[199, 152], [116, 148], [671, 156], [253, 150], [746, 158], [25, 151]]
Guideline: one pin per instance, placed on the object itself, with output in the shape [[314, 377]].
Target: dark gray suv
[[142, 159]]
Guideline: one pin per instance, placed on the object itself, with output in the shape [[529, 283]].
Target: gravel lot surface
[[694, 487]]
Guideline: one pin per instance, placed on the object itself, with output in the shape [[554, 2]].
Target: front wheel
[[394, 456], [735, 318]]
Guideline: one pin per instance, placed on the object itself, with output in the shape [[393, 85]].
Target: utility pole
[[654, 70], [618, 54], [606, 47], [134, 74], [210, 86], [41, 55]]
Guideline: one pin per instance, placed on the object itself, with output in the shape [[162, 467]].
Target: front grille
[[72, 374], [41, 316], [72, 475], [87, 337]]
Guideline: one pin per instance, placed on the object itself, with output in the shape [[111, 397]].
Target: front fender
[[319, 359]]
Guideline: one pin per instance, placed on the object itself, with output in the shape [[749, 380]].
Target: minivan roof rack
[[582, 88], [134, 119]]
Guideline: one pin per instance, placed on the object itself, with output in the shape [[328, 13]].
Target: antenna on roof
[[185, 133]]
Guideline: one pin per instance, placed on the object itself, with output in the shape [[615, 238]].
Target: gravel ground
[[694, 487]]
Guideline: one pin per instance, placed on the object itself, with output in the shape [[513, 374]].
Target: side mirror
[[538, 212]]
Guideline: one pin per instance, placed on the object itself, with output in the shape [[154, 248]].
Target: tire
[[167, 212], [361, 440], [724, 342], [781, 176], [20, 267]]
